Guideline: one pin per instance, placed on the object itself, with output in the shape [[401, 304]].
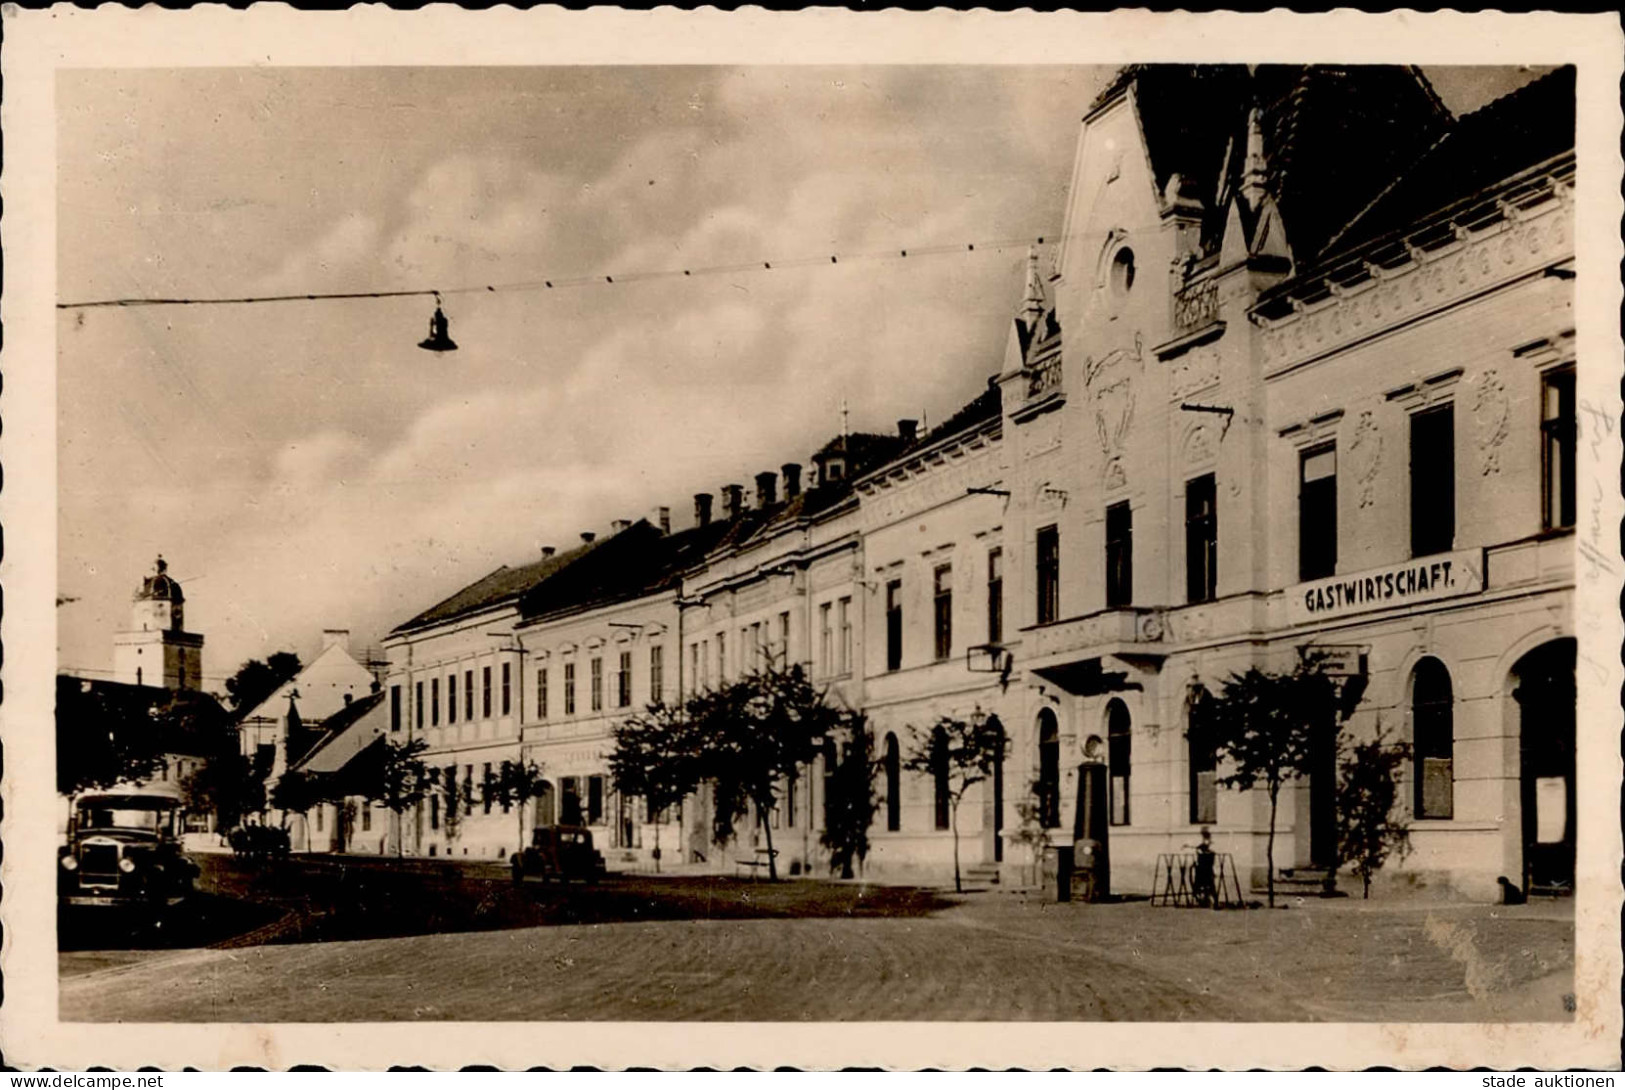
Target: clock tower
[[156, 649]]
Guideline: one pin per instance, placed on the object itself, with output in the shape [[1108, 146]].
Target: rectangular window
[[1557, 448], [1048, 571], [541, 693], [894, 625], [1201, 539], [570, 801], [451, 698], [595, 800], [843, 611], [507, 689], [394, 709], [569, 688], [722, 657], [468, 695], [366, 816], [1317, 513], [485, 692], [623, 682], [417, 705], [595, 692], [826, 639], [1119, 555], [694, 667], [942, 611], [320, 810], [1433, 481], [468, 790], [434, 702], [434, 813], [995, 596], [784, 639], [487, 788], [756, 644], [657, 674]]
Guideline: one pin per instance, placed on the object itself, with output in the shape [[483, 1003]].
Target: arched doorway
[[1543, 686], [1119, 757], [546, 805], [1049, 769], [993, 821]]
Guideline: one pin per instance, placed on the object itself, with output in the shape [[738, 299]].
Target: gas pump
[[1091, 856]]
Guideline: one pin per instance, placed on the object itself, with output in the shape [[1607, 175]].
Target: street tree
[[297, 792], [226, 786], [256, 680], [853, 799], [1268, 726], [1030, 830], [518, 783], [400, 781], [656, 757], [754, 734], [451, 791], [1369, 828], [957, 754]]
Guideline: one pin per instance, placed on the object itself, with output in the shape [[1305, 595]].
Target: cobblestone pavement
[[696, 949]]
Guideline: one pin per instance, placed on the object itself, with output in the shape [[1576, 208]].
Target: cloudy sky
[[303, 465]]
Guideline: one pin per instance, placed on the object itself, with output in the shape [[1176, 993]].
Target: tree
[[1367, 790], [452, 791], [519, 782], [958, 754], [1030, 829], [753, 734], [256, 680], [1268, 725], [656, 758], [296, 792], [400, 781], [853, 800], [226, 785]]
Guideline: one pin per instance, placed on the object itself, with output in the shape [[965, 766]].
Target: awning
[[1087, 677]]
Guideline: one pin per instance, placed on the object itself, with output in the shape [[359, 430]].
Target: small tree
[[227, 786], [256, 680], [753, 735], [656, 758], [960, 753], [296, 793], [1268, 725], [1367, 790], [520, 782], [1030, 829], [853, 800], [451, 790], [401, 781]]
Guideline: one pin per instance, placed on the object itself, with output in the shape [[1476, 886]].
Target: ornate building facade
[[1299, 378]]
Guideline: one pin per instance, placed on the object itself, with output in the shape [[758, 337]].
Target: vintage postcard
[[819, 539]]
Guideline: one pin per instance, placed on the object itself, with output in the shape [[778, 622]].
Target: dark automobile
[[559, 851], [124, 852]]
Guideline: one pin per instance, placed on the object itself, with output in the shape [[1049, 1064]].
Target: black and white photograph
[[1005, 543]]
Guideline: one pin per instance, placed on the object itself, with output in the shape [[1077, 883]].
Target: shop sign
[[1426, 579], [1338, 659]]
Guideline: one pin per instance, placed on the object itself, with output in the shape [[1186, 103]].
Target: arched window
[[894, 801], [1049, 770], [829, 780], [1433, 738], [1203, 760], [939, 774], [1118, 758]]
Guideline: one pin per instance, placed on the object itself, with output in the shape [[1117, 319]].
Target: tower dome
[[160, 586]]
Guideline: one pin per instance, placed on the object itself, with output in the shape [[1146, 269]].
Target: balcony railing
[[1196, 304]]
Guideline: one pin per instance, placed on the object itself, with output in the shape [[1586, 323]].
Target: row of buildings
[[1299, 374]]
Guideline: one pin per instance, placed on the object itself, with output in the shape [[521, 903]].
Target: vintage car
[[558, 851], [124, 851]]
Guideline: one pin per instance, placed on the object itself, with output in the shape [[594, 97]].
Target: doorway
[[1323, 797], [1544, 689]]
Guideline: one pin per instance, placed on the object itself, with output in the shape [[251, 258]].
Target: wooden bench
[[753, 867]]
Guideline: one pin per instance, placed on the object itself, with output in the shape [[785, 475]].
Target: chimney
[[908, 429], [767, 489], [340, 636], [792, 480], [663, 519], [733, 500], [587, 537], [620, 525], [547, 551], [702, 508]]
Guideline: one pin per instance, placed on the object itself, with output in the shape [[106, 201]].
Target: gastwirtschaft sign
[[1426, 579]]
